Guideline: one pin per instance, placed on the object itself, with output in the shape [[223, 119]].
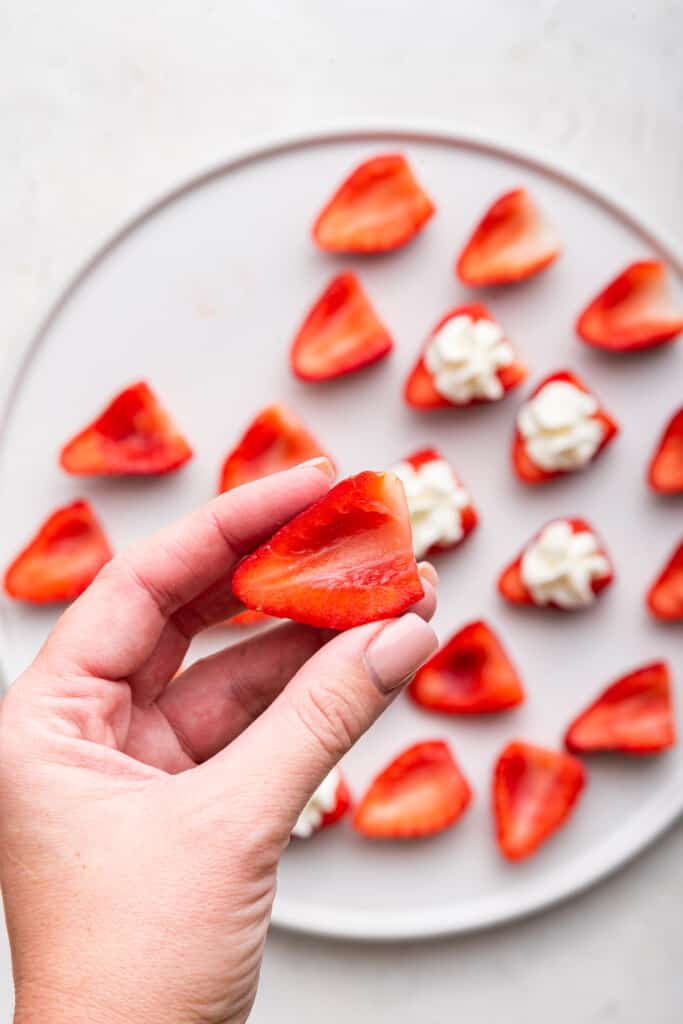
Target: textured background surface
[[104, 107]]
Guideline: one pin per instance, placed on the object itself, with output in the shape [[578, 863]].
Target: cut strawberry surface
[[134, 435], [421, 792], [636, 310], [665, 473], [275, 440], [561, 428], [534, 791], [466, 360], [62, 559], [346, 560], [341, 333], [471, 674], [511, 242], [379, 206], [440, 509], [665, 597], [634, 715]]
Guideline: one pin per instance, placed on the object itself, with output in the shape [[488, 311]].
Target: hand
[[142, 820]]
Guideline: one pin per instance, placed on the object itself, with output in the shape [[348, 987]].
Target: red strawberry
[[346, 560], [420, 390], [243, 620], [275, 440], [665, 597], [534, 791], [379, 206], [441, 486], [513, 588], [342, 803], [63, 558], [341, 333], [314, 818], [511, 242], [635, 310], [471, 674], [525, 466], [665, 473], [133, 435], [634, 715], [421, 792]]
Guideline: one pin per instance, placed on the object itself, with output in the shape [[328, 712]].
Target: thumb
[[328, 705]]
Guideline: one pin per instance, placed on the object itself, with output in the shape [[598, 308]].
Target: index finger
[[115, 625]]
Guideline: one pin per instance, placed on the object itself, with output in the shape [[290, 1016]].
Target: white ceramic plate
[[201, 296]]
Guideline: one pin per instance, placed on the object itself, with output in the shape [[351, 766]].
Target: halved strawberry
[[440, 509], [471, 674], [341, 333], [329, 803], [342, 803], [634, 715], [346, 560], [244, 620], [421, 792], [635, 310], [421, 390], [275, 440], [134, 435], [526, 468], [534, 791], [513, 587], [379, 206], [665, 597], [511, 242], [62, 559], [665, 473]]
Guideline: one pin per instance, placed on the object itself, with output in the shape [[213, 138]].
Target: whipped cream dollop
[[560, 566], [464, 356], [321, 803], [559, 427], [435, 503]]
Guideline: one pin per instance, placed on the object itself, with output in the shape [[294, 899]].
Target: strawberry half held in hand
[[421, 792], [665, 472], [346, 560], [513, 241], [534, 792], [471, 674], [466, 360], [275, 440], [560, 429], [379, 206], [665, 597], [564, 566], [133, 436], [636, 310], [63, 558], [329, 803], [633, 716], [440, 509], [341, 333]]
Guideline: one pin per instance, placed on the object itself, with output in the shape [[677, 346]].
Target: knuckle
[[332, 717]]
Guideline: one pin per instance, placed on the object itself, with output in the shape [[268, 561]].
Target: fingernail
[[323, 464], [398, 651], [428, 572]]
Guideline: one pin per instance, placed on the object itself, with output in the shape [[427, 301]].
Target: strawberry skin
[[634, 311], [380, 206], [633, 716], [419, 793], [133, 436], [341, 333], [275, 440], [62, 559], [513, 241], [665, 472], [244, 620], [665, 597], [534, 792], [346, 560], [341, 806], [471, 674]]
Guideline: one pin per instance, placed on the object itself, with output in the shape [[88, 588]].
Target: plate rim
[[659, 816]]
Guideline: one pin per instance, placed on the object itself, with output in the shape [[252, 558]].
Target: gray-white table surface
[[104, 106]]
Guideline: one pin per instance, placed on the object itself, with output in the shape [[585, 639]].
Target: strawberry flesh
[[665, 473], [665, 597], [635, 311]]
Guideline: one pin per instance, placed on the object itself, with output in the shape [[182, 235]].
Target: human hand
[[142, 820]]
